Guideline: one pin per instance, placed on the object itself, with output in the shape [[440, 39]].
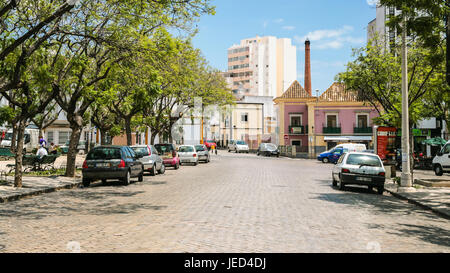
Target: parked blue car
[[331, 156]]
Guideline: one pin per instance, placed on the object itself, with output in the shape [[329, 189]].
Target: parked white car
[[441, 163], [359, 169], [188, 154], [238, 146], [149, 156]]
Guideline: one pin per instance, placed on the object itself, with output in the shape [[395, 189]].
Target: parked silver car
[[203, 153], [238, 146], [359, 169], [148, 155], [188, 154]]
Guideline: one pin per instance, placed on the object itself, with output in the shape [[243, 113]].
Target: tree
[[46, 118], [185, 75], [24, 26], [376, 76], [429, 21], [100, 35]]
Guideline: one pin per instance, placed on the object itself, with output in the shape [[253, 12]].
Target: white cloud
[[279, 21], [288, 27], [318, 35], [372, 2], [330, 38]]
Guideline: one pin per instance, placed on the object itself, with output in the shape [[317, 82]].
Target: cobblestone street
[[236, 203]]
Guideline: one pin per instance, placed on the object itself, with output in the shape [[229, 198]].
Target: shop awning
[[348, 138]]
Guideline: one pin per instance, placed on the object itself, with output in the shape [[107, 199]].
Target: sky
[[334, 27]]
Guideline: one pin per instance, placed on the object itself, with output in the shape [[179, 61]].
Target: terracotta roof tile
[[337, 93], [296, 91]]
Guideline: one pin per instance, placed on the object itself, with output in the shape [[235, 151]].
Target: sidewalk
[[435, 197], [33, 185]]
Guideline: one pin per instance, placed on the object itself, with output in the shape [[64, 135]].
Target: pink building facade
[[314, 124]]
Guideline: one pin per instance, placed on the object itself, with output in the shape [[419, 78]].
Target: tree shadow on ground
[[359, 196], [99, 199], [395, 208], [431, 234]]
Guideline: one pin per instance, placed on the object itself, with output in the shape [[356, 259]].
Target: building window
[[296, 120], [50, 137], [63, 137], [362, 120], [244, 117], [332, 120]]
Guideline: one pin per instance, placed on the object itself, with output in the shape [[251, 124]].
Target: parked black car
[[112, 162], [268, 149]]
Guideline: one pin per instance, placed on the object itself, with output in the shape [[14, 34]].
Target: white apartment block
[[262, 66]]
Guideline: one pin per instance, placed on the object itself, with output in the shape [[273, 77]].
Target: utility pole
[[406, 183]]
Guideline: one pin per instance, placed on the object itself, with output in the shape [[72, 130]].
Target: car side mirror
[[440, 154]]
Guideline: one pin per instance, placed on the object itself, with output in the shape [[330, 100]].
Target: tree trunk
[[19, 152], [103, 136], [128, 131], [72, 154], [13, 138], [153, 137]]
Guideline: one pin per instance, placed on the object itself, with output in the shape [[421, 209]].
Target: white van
[[31, 139], [441, 163], [352, 147]]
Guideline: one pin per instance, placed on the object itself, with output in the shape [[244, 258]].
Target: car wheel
[[163, 169], [341, 184], [141, 176], [326, 160], [229, 150], [380, 190], [86, 182], [153, 170], [103, 182], [177, 166], [195, 163], [438, 170], [370, 188], [127, 179], [257, 154]]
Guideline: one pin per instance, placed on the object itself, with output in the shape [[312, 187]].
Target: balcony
[[298, 130], [363, 130], [332, 130]]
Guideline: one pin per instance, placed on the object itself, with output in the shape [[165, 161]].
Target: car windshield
[[240, 143], [186, 149], [164, 148], [271, 146], [8, 136], [140, 151], [363, 160], [104, 153], [200, 148]]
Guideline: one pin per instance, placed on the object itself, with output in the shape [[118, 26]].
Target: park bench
[[28, 163], [6, 153], [47, 162]]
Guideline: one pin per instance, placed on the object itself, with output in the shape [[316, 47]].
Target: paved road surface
[[237, 203]]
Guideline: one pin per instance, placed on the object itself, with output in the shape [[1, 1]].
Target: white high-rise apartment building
[[262, 66]]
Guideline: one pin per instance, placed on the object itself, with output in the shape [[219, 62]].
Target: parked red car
[[210, 144], [169, 154]]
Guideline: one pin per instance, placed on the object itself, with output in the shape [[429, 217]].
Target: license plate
[[102, 165], [365, 179]]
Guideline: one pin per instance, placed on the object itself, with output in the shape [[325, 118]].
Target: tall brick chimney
[[308, 66]]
